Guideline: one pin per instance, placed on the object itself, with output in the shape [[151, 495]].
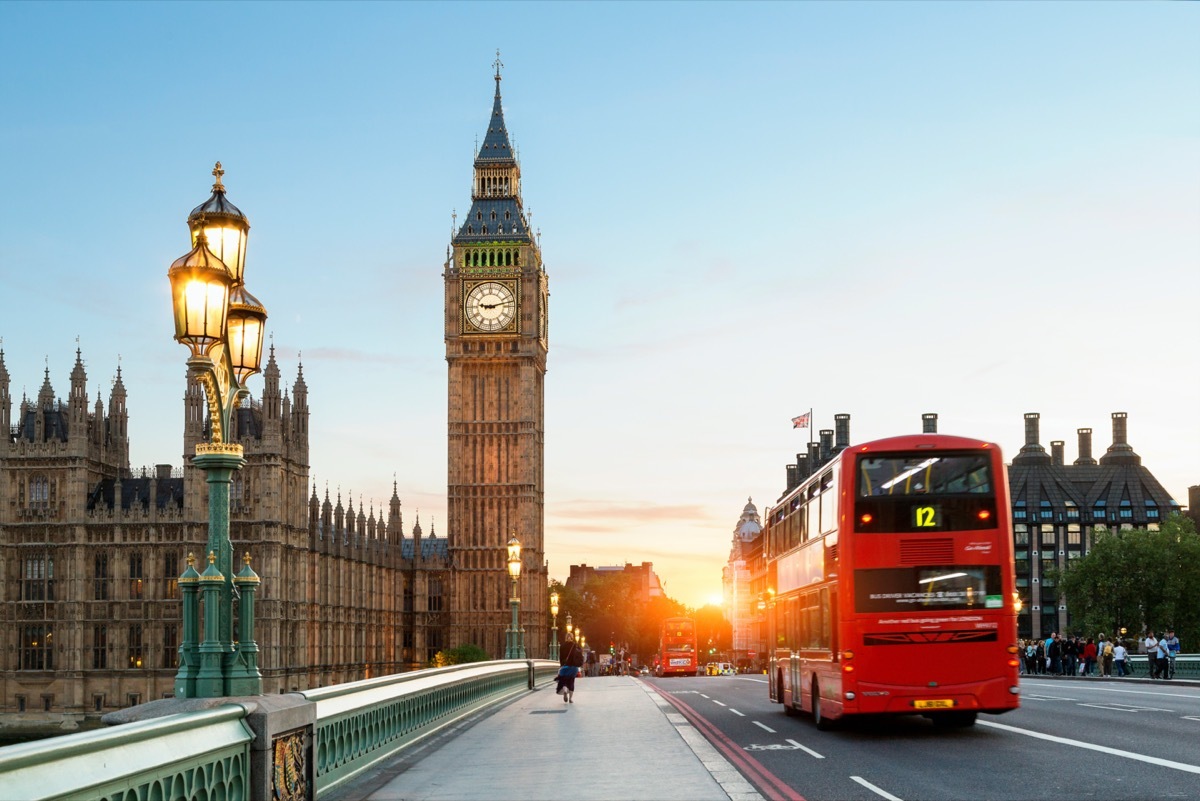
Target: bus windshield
[[923, 474]]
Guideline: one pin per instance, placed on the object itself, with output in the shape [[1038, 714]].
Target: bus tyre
[[823, 723], [954, 720]]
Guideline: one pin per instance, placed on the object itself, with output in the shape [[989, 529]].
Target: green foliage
[[611, 609], [1138, 579], [459, 656]]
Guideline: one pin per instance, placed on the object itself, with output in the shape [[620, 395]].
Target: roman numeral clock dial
[[490, 306]]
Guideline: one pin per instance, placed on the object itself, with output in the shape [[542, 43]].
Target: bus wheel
[[823, 723], [954, 720]]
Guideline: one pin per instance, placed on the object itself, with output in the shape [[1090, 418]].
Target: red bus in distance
[[677, 648], [892, 566]]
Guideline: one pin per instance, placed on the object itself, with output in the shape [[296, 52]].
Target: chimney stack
[[841, 437], [1120, 452], [1032, 452], [1056, 451], [826, 435], [929, 423], [1085, 447]]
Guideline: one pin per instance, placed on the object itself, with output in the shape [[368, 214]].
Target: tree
[[611, 608], [1138, 579], [459, 655]]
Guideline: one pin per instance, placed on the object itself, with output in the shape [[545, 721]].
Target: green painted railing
[[206, 755], [1187, 666], [362, 722], [191, 755]]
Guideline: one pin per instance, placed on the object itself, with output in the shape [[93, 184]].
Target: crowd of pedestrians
[[1063, 655]]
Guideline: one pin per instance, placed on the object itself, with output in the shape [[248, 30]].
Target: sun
[[715, 600]]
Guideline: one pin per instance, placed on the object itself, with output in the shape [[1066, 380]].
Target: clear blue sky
[[747, 210]]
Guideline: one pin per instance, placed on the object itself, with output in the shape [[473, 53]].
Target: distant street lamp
[[554, 625], [222, 326], [516, 636]]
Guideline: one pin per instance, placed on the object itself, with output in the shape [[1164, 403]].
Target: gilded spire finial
[[497, 64], [217, 173], [212, 557], [246, 558], [191, 559]]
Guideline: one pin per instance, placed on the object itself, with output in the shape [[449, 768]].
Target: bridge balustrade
[[286, 747]]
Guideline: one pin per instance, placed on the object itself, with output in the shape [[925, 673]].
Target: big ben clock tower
[[496, 343]]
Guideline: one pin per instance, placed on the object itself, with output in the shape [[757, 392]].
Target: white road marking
[[1165, 763], [1108, 688], [763, 726], [874, 789], [1032, 697], [1125, 708], [806, 749], [715, 701], [739, 714]]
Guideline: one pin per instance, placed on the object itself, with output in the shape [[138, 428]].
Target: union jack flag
[[801, 421]]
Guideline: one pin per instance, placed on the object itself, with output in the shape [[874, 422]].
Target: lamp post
[[222, 325], [554, 625], [516, 636]]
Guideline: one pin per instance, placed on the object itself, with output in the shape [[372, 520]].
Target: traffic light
[[612, 648]]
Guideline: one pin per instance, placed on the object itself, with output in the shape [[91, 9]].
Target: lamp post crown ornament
[[217, 173]]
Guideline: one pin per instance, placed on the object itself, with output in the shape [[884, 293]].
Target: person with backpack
[[1172, 651], [1162, 654], [571, 660], [1106, 657]]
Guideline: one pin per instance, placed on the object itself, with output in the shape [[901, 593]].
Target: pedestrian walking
[[570, 659]]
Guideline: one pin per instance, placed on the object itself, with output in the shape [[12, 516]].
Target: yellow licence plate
[[935, 703]]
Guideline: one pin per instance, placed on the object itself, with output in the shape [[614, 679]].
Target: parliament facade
[[90, 551]]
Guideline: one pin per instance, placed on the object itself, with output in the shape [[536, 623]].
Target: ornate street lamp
[[516, 635], [554, 625], [222, 325]]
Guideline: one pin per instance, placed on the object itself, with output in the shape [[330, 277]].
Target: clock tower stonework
[[496, 344]]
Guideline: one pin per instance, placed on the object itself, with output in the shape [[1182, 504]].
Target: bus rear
[[677, 648], [928, 615]]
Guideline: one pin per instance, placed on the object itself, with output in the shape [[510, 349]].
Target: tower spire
[[497, 64]]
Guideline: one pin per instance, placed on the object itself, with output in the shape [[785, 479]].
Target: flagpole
[[811, 424]]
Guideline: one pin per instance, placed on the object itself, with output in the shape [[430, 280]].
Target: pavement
[[620, 739]]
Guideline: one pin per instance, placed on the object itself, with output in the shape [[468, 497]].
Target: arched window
[[39, 493]]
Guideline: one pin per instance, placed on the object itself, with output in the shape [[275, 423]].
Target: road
[[1070, 739]]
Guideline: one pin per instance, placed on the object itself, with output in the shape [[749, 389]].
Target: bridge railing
[[362, 722], [190, 755], [291, 746]]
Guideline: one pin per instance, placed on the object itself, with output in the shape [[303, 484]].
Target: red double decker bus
[[892, 566], [677, 648]]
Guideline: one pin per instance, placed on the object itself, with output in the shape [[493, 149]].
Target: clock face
[[490, 306]]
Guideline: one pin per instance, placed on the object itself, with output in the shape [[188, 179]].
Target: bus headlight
[[849, 696], [1014, 690]]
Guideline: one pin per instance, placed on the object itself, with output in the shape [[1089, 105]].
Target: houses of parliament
[[91, 550]]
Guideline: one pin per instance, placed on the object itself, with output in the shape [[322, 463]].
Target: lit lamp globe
[[554, 604], [247, 324], [225, 227], [514, 557], [200, 284]]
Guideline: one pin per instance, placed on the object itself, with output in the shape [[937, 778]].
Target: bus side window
[[826, 618]]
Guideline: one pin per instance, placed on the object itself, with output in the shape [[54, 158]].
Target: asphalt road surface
[[1071, 739]]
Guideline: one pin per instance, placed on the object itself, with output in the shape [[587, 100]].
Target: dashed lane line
[[874, 789]]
